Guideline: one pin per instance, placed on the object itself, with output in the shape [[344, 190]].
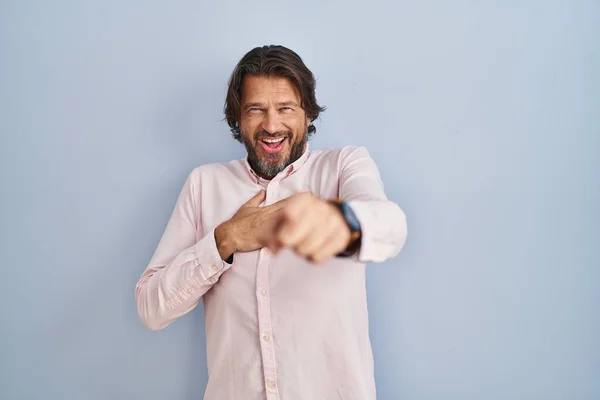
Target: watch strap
[[353, 225]]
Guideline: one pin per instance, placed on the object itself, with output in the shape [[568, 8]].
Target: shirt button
[[266, 338], [265, 252], [263, 292], [271, 385], [189, 290], [214, 267]]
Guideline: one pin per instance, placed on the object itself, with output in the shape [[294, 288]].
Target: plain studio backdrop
[[484, 119]]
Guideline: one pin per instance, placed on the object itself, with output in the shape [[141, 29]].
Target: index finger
[[279, 204]]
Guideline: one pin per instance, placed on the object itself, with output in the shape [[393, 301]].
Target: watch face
[[350, 218]]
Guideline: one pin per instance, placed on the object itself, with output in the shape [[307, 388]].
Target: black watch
[[353, 225]]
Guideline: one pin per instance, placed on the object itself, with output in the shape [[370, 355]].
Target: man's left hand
[[314, 228]]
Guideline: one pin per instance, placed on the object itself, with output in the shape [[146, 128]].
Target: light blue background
[[484, 118]]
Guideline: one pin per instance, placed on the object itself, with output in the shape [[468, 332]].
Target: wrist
[[225, 240], [353, 224], [353, 244]]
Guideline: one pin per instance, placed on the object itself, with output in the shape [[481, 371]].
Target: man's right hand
[[245, 231]]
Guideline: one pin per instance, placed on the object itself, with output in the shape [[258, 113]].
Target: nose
[[271, 122]]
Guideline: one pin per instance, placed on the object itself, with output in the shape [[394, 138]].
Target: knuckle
[[283, 239], [289, 214], [302, 251], [320, 259]]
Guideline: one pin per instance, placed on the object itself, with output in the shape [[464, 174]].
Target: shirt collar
[[290, 169]]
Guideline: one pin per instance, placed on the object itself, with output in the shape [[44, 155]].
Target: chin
[[271, 157], [271, 164]]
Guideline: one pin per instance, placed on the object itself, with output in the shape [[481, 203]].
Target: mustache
[[264, 135]]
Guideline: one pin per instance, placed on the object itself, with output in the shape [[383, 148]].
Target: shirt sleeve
[[182, 269], [383, 223]]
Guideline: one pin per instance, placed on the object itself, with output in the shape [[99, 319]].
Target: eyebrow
[[287, 103], [282, 104], [255, 104]]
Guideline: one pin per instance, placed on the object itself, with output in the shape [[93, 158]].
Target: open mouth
[[273, 145]]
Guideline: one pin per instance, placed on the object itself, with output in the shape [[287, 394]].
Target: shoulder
[[341, 155], [210, 172]]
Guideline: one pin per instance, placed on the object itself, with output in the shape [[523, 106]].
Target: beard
[[271, 164]]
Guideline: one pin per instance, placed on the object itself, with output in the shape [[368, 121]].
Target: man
[[275, 244]]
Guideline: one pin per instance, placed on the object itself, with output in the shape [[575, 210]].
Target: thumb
[[255, 200]]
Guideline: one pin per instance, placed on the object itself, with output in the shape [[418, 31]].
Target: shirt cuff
[[210, 265], [372, 248]]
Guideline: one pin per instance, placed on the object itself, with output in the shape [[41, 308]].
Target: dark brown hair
[[271, 61]]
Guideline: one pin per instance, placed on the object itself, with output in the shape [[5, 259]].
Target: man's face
[[273, 125]]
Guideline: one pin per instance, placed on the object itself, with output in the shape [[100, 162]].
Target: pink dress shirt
[[277, 326]]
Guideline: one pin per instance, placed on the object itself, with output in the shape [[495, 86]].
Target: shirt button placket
[[264, 311]]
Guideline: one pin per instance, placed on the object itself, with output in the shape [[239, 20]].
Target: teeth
[[273, 140]]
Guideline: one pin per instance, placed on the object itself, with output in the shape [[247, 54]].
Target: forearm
[[383, 223], [166, 291]]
